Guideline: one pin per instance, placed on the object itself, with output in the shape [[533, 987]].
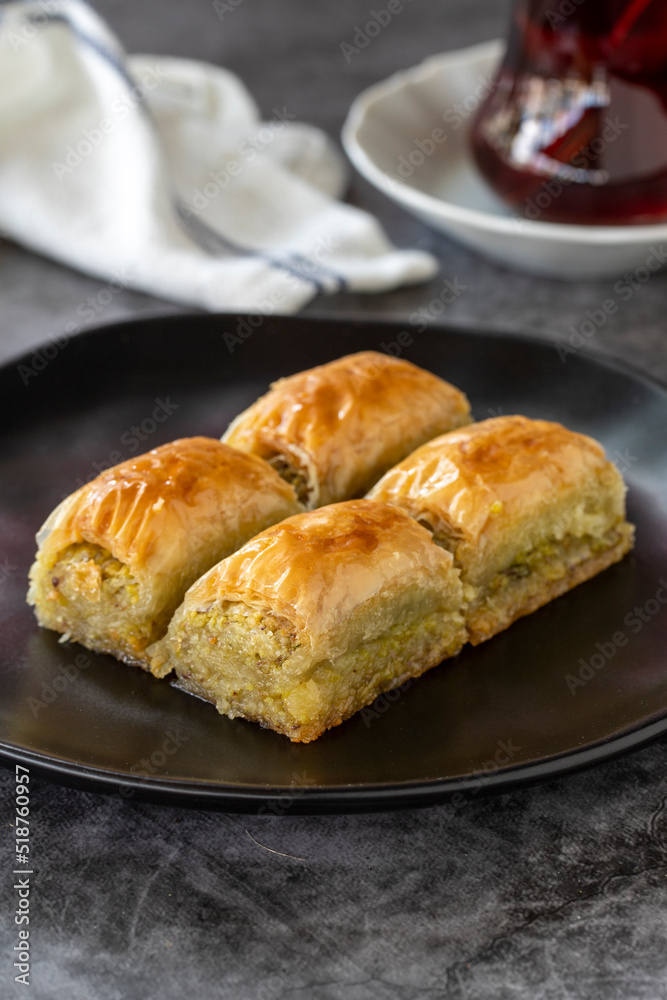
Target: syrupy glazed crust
[[498, 487], [341, 425], [165, 517], [315, 617], [526, 503], [489, 474], [316, 568], [145, 509]]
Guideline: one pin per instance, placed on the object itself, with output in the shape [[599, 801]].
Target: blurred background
[[289, 53]]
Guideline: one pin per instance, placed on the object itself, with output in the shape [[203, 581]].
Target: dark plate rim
[[601, 358], [359, 797], [335, 798]]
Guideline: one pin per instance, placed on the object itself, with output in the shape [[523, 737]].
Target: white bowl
[[409, 136]]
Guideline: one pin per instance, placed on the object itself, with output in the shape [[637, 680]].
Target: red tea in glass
[[575, 129]]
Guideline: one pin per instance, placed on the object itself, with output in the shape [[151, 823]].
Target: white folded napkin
[[157, 173]]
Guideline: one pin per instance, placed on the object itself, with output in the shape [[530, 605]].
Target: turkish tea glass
[[575, 128]]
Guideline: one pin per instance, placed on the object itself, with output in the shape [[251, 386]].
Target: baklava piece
[[115, 558], [528, 509], [315, 617], [332, 431]]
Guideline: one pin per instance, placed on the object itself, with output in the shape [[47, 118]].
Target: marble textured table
[[558, 891]]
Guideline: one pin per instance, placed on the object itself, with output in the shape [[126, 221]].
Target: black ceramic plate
[[577, 682]]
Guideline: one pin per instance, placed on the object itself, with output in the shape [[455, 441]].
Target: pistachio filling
[[241, 659], [553, 559], [92, 573], [293, 475], [234, 629], [94, 598]]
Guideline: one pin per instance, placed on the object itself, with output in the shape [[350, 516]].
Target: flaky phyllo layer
[[116, 557], [527, 508], [540, 575], [315, 617], [333, 430], [249, 664]]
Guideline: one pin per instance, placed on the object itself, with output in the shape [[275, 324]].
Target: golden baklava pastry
[[528, 509], [332, 431], [315, 617], [116, 557]]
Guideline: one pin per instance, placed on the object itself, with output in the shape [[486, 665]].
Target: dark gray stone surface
[[553, 892]]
